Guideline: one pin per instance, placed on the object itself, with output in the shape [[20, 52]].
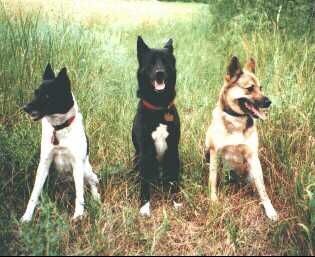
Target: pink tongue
[[259, 114], [159, 87]]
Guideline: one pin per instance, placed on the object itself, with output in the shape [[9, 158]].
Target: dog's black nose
[[266, 102], [160, 75]]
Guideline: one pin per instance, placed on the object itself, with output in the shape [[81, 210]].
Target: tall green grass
[[102, 63]]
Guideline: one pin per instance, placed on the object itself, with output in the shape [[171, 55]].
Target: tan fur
[[229, 135]]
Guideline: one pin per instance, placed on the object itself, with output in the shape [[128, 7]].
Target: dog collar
[[65, 125], [233, 113], [152, 107], [54, 139], [249, 122]]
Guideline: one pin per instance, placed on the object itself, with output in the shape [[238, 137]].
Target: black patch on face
[[52, 97], [156, 67]]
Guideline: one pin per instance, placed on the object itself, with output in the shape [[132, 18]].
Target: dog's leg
[[256, 176], [171, 166], [78, 174], [92, 179], [213, 176], [41, 176], [148, 173]]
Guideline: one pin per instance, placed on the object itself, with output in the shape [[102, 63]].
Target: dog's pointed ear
[[49, 74], [234, 68], [142, 47], [63, 77], [251, 65], [169, 45]]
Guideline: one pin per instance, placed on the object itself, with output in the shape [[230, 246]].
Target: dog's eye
[[251, 88]]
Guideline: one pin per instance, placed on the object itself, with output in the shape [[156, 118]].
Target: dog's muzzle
[[264, 103]]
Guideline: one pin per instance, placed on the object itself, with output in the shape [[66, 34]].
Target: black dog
[[156, 129]]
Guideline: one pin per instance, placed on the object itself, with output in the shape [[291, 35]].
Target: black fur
[[88, 145], [156, 65], [52, 97]]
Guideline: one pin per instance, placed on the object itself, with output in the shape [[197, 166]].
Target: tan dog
[[233, 133]]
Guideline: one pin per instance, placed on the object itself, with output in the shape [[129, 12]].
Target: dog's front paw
[[178, 206], [270, 211], [145, 210], [96, 196], [214, 198], [26, 218], [78, 214]]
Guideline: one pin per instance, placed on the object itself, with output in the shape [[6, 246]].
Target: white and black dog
[[64, 143], [156, 129]]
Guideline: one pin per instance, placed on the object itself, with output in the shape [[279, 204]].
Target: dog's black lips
[[251, 108]]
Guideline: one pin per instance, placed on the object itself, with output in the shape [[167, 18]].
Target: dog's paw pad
[[145, 210]]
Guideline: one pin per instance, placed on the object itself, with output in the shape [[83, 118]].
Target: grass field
[[96, 40]]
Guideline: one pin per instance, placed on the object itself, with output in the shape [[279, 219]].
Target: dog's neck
[[56, 120], [236, 123]]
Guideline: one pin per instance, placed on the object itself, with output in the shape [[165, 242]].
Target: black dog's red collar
[[152, 107], [54, 139]]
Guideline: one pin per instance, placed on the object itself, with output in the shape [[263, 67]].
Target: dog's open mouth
[[252, 109], [159, 86]]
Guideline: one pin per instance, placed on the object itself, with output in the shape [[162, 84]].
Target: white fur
[[145, 210], [177, 206], [159, 136], [71, 152]]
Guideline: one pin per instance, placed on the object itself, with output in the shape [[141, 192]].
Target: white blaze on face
[[159, 136], [159, 86]]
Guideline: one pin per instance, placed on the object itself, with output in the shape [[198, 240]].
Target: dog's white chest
[[159, 136]]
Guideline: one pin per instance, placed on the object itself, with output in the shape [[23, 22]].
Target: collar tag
[[54, 139], [169, 117]]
